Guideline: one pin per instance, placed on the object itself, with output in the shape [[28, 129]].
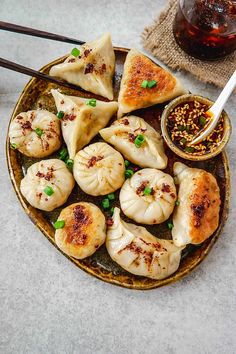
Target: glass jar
[[206, 29]]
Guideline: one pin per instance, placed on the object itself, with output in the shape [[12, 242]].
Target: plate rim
[[104, 277]]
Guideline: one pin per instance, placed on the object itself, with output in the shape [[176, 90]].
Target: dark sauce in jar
[[186, 120], [206, 29]]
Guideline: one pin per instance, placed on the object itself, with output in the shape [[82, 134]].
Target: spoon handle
[[218, 106]]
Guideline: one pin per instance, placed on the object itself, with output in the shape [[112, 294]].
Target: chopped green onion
[[148, 84], [189, 149], [181, 128], [183, 141], [59, 224], [147, 191], [75, 52], [48, 190], [129, 173], [202, 120], [92, 102], [139, 140], [63, 154], [170, 225], [144, 84], [60, 114], [70, 163], [13, 146], [111, 196], [187, 128], [177, 202], [39, 132], [152, 83], [105, 203], [127, 163], [112, 211]]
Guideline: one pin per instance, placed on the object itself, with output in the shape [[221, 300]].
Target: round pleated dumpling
[[148, 197], [47, 184], [35, 133], [139, 252], [82, 230], [99, 169]]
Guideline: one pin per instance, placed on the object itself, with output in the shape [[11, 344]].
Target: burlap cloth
[[159, 40]]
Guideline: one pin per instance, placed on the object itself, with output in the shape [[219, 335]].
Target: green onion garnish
[[75, 52], [170, 225], [129, 173], [127, 163], [63, 154], [13, 146], [148, 84], [39, 132], [105, 203], [111, 196], [144, 84], [177, 202], [60, 114], [202, 120], [112, 211], [59, 224], [92, 102], [147, 191], [152, 83], [183, 141], [139, 140], [189, 149], [48, 190], [187, 128], [70, 163], [181, 128]]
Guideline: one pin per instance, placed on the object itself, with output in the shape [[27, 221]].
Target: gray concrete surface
[[47, 305]]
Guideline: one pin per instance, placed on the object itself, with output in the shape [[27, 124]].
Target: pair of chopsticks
[[36, 33]]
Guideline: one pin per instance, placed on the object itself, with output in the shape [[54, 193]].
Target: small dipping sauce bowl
[[183, 118]]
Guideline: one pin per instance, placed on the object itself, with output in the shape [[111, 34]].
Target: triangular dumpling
[[81, 122], [138, 70], [93, 69]]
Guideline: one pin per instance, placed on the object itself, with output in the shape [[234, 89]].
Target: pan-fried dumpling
[[83, 230], [47, 184], [197, 216], [122, 134], [148, 197], [35, 133], [82, 119], [92, 69], [144, 84], [99, 169], [139, 252]]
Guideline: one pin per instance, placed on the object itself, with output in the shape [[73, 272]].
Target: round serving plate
[[36, 94]]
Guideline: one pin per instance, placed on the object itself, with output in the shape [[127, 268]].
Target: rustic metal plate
[[36, 94]]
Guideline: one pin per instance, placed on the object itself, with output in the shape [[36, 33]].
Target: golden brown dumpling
[[83, 231], [133, 96], [197, 215]]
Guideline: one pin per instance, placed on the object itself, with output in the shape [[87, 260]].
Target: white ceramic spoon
[[215, 111]]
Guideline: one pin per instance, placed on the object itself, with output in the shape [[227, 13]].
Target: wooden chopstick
[[34, 73], [11, 27]]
